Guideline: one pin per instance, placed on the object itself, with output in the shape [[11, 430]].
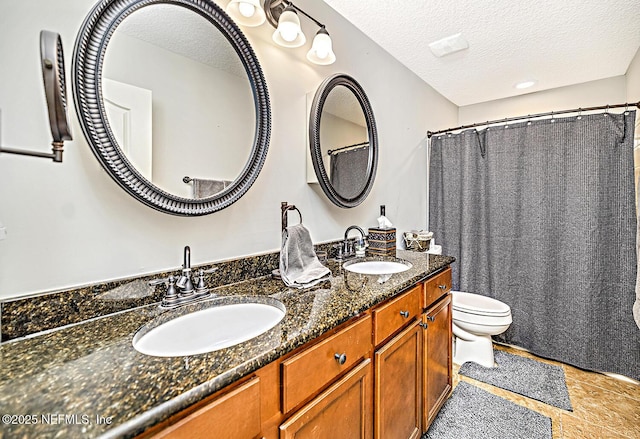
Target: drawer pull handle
[[442, 287], [340, 358], [431, 318], [423, 325], [404, 314]]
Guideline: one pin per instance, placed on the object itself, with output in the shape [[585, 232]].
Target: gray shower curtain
[[348, 170], [541, 216]]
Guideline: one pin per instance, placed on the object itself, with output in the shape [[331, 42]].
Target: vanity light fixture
[[246, 12], [322, 49], [288, 32], [283, 15]]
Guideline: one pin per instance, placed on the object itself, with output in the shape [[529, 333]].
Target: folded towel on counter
[[299, 265], [205, 188]]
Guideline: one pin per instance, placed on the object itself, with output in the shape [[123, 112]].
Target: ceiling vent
[[448, 45]]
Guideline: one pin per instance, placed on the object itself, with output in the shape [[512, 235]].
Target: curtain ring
[[553, 120], [626, 109], [579, 114], [606, 111]]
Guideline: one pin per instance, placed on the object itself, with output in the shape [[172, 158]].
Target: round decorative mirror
[[343, 140], [172, 101]]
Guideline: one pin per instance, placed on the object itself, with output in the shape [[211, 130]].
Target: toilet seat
[[469, 303], [475, 319]]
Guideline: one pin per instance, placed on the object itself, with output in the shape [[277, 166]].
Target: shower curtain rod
[[333, 151], [531, 116]]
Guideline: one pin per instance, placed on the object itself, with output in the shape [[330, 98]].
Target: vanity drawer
[[436, 287], [234, 415], [393, 315], [304, 374]]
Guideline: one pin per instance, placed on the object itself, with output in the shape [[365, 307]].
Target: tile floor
[[603, 407]]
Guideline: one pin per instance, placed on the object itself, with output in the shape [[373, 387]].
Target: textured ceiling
[[555, 42], [176, 28]]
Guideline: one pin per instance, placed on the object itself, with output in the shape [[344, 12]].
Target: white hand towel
[[299, 265]]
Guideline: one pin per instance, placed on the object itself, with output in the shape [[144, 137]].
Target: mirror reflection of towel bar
[[285, 208]]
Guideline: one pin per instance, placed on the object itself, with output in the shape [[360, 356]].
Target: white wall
[[633, 79], [69, 224], [594, 93]]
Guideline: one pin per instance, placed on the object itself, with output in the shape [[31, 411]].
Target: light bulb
[[322, 45], [246, 12], [289, 31], [321, 52], [246, 9]]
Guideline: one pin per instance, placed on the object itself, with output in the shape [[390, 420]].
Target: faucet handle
[[200, 286], [162, 280], [171, 295]]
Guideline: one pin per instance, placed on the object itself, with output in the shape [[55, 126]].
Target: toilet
[[475, 319]]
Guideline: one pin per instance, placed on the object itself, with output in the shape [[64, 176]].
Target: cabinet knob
[[404, 314], [431, 318], [423, 325], [340, 358], [442, 287]]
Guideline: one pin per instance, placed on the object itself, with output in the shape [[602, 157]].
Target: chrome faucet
[[184, 283], [181, 291], [346, 250]]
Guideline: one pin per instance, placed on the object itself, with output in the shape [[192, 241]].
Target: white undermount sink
[[210, 329], [377, 267]]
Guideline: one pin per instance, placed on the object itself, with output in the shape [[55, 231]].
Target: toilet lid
[[477, 304]]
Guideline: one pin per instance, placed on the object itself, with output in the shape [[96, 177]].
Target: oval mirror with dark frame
[[172, 101], [343, 140]]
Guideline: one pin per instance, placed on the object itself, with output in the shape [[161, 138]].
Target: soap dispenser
[[382, 239]]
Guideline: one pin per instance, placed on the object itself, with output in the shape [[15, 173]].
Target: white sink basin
[[207, 330], [377, 267]]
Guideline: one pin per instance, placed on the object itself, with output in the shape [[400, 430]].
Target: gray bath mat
[[472, 413], [533, 379]]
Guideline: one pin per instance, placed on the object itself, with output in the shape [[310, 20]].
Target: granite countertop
[[87, 380]]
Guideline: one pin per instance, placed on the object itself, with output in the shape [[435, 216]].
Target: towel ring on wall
[[52, 63], [285, 208]]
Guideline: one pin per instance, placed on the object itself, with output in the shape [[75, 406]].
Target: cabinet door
[[343, 411], [398, 389], [437, 359], [234, 415]]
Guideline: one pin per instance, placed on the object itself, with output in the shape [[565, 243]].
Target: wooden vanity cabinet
[[243, 410], [234, 415], [436, 287], [384, 374], [398, 367], [436, 346], [343, 411], [306, 373]]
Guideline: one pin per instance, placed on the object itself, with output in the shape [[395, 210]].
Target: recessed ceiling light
[[525, 84]]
